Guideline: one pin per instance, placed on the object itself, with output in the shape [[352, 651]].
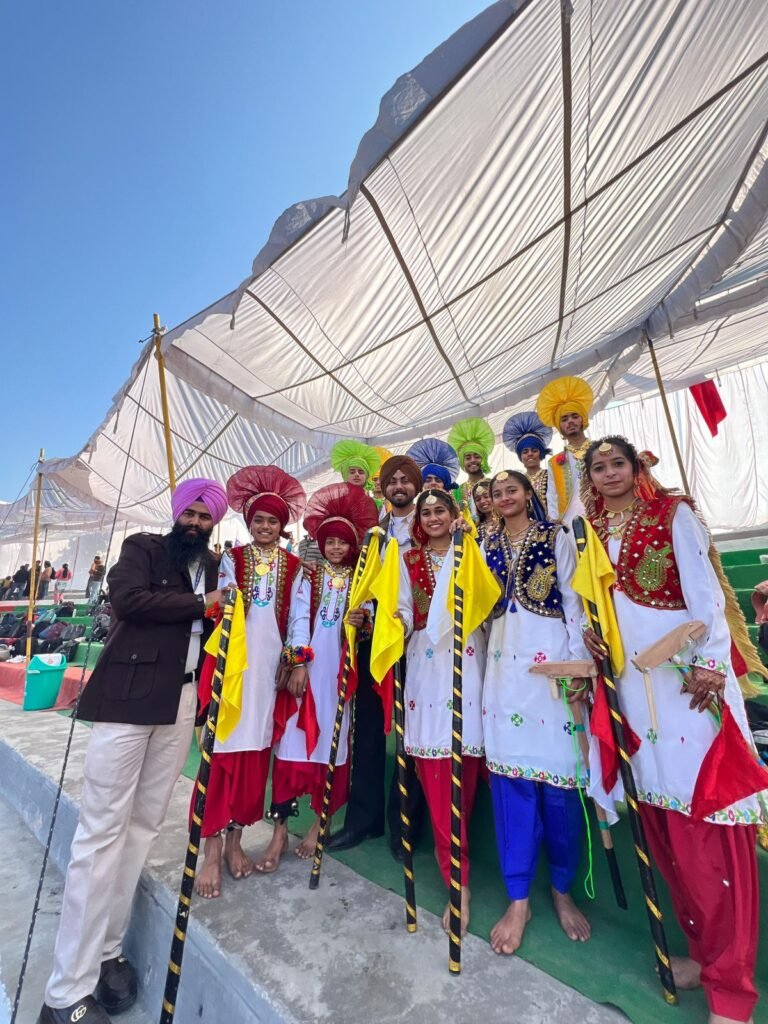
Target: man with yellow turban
[[564, 404], [472, 439]]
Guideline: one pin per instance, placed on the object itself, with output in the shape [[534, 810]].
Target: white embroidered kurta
[[667, 764], [575, 504], [264, 646], [528, 734], [429, 675], [326, 642]]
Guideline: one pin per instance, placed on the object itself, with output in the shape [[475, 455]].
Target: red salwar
[[435, 778], [711, 873], [292, 779], [236, 788]]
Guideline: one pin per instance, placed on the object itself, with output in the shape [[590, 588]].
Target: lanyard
[[198, 574]]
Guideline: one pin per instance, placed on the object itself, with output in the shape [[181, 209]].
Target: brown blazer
[[140, 673]]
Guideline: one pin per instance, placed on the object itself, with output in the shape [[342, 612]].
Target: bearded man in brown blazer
[[142, 699]]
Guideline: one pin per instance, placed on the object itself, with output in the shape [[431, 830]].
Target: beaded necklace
[[510, 550], [334, 593], [264, 575], [435, 561]]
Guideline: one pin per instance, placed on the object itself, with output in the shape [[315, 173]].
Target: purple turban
[[212, 495]]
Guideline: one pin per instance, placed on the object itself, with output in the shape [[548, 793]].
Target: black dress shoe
[[118, 985], [347, 839], [86, 1011]]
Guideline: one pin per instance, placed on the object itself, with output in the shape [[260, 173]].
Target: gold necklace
[[338, 574], [514, 537], [265, 557], [580, 451], [615, 513]]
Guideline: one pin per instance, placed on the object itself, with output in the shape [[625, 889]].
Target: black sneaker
[[118, 985], [86, 1011]]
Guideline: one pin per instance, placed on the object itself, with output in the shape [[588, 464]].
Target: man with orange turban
[[269, 578], [565, 404]]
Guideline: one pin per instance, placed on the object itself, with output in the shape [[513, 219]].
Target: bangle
[[298, 655]]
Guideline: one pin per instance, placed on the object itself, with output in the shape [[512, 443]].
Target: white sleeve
[[702, 593], [299, 626], [405, 598], [565, 557], [226, 571], [553, 505]]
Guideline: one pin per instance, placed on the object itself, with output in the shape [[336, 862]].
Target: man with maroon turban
[[141, 698], [269, 578]]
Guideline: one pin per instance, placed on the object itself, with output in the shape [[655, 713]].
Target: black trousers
[[366, 805]]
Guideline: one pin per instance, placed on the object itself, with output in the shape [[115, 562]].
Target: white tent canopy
[[555, 184]]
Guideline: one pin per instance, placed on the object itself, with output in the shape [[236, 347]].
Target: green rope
[[589, 880]]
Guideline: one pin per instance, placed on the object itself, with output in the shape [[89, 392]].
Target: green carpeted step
[[744, 597], [742, 557], [746, 577]]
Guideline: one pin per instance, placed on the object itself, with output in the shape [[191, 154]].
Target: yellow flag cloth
[[593, 580], [388, 637], [360, 591], [481, 590], [236, 664], [467, 515]]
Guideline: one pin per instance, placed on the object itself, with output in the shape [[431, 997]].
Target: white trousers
[[128, 778]]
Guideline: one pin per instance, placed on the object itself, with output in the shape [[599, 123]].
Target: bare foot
[[572, 921], [466, 896], [239, 864], [306, 847], [278, 844], [507, 933], [686, 972], [208, 880]]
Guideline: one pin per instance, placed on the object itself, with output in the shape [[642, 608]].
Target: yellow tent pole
[[157, 331], [33, 567], [668, 415]]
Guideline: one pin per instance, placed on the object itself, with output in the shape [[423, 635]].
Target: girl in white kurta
[[533, 756], [664, 578], [269, 579], [338, 517], [426, 574]]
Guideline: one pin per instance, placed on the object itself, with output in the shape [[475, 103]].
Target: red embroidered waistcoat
[[422, 586], [647, 570], [288, 568]]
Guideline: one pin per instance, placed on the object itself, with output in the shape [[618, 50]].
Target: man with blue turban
[[526, 436], [142, 699]]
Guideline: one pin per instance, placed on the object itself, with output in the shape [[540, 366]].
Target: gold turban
[[563, 396]]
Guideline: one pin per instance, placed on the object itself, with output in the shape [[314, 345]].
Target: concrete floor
[[20, 861]]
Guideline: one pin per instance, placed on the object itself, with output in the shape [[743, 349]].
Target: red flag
[[729, 772], [600, 727], [707, 398], [386, 689], [286, 706]]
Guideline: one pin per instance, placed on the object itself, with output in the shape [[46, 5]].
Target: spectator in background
[[20, 583], [62, 583], [6, 586], [29, 579], [95, 577], [44, 581]]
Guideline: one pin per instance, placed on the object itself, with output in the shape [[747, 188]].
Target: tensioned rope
[[57, 798]]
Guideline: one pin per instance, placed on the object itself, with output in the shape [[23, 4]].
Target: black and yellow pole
[[647, 880], [193, 847], [402, 787], [325, 817], [454, 930], [33, 574]]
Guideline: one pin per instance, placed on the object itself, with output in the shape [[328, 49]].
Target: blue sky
[[148, 148]]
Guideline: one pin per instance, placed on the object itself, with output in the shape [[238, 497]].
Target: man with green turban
[[473, 441]]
